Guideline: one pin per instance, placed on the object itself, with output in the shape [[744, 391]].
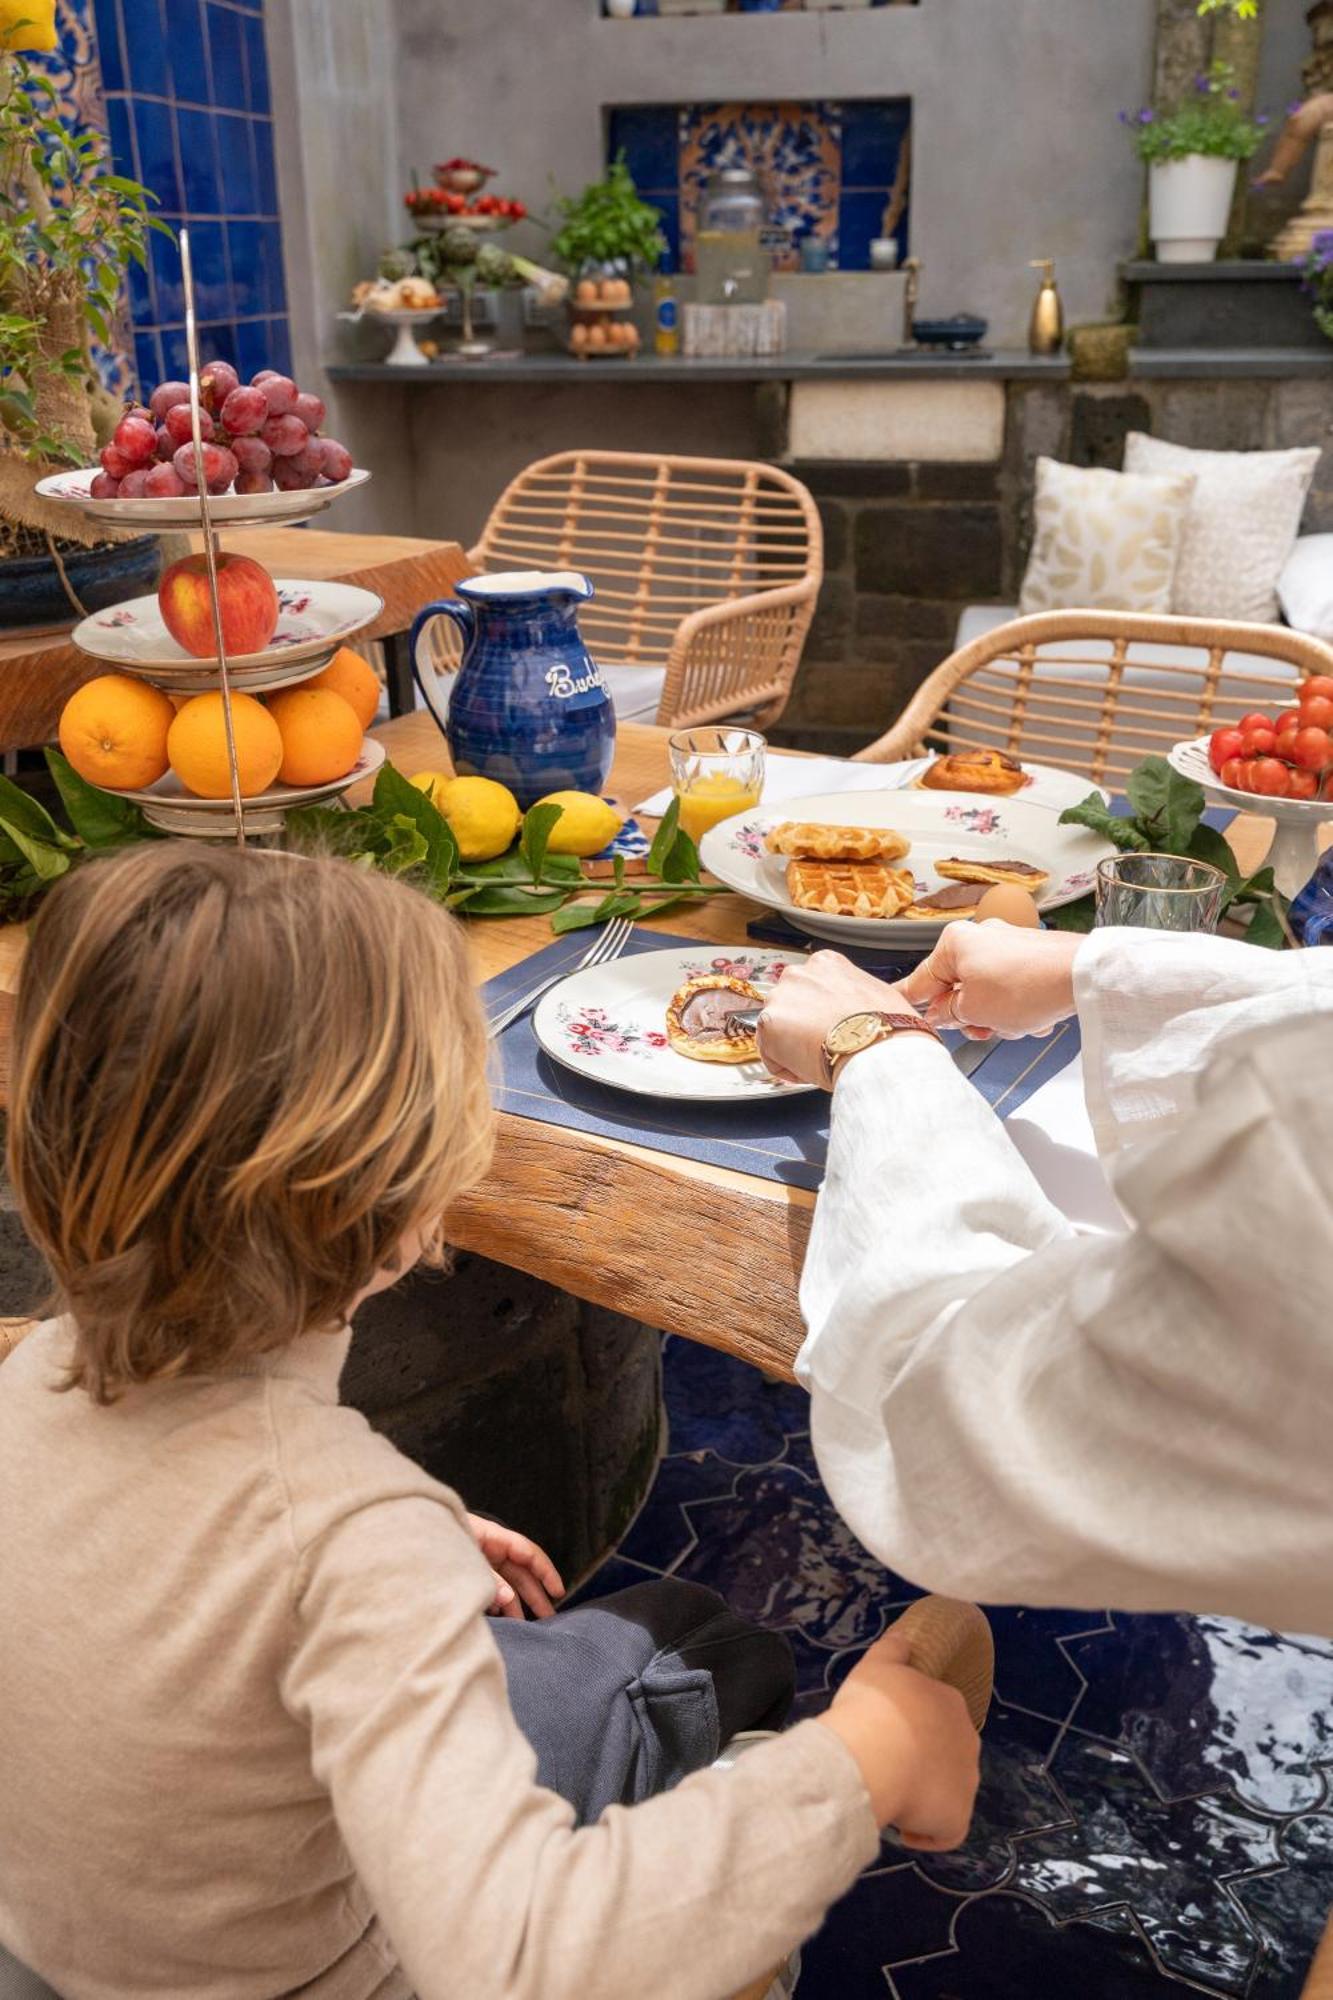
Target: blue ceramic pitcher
[[528, 704]]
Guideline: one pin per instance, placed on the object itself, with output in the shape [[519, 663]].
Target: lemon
[[483, 816], [586, 824]]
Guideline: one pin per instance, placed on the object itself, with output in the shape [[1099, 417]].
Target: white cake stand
[[404, 353], [1294, 854]]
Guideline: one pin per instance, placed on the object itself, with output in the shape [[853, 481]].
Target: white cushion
[[1305, 587], [1104, 541], [1243, 518]]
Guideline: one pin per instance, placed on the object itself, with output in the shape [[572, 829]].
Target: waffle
[[1021, 873], [713, 1045], [808, 842], [975, 771], [850, 888]]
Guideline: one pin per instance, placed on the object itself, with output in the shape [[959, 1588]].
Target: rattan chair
[[1097, 691], [706, 572]]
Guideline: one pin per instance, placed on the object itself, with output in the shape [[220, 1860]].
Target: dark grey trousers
[[620, 1699]]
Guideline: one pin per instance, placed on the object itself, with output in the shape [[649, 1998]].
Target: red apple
[[247, 599]]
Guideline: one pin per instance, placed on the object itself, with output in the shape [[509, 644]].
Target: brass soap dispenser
[[1046, 331]]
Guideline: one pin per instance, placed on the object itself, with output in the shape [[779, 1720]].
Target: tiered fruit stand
[[315, 620]]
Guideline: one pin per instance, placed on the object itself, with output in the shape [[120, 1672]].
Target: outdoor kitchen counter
[[554, 365]]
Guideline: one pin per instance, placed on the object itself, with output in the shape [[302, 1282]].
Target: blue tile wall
[[832, 170], [189, 113]]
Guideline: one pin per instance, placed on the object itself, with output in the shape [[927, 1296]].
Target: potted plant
[[68, 229], [607, 229], [1192, 153], [1319, 280]]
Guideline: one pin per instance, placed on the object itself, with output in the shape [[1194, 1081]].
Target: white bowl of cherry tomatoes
[[1288, 755]]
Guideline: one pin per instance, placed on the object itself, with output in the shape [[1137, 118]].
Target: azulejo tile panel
[[181, 88], [835, 172], [1155, 1820]]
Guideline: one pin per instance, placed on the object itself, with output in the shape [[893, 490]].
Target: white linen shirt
[[1006, 1410]]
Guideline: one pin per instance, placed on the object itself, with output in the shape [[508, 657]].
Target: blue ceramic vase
[[528, 705]]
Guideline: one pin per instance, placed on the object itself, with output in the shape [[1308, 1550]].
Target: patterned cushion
[[1243, 521], [1104, 541]]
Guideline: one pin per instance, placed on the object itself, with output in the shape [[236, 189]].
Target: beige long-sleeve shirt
[[1008, 1411], [254, 1737]]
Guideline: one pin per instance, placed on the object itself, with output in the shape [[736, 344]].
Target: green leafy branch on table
[[1167, 818], [35, 850], [402, 833]]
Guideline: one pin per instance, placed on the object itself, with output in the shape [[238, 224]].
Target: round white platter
[[609, 1024], [1294, 854], [170, 807], [938, 825], [314, 619], [227, 510]]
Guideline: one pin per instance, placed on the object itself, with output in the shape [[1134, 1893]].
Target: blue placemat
[[780, 1139]]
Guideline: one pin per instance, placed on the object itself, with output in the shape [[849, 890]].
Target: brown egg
[[597, 334], [586, 292], [1009, 904], [578, 334]]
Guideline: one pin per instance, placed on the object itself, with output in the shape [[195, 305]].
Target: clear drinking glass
[[1159, 892], [715, 772]]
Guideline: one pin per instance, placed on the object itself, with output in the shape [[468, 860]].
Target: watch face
[[856, 1032]]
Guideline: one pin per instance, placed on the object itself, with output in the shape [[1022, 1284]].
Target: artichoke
[[396, 264]]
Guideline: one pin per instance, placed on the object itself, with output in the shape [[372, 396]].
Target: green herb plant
[[1209, 119], [402, 833], [1166, 817], [608, 224], [36, 850]]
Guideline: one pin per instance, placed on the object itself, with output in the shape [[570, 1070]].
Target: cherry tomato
[[1259, 738], [1271, 778], [1318, 685], [1310, 749], [1317, 712], [1255, 721], [1222, 744], [1302, 785], [1231, 773]]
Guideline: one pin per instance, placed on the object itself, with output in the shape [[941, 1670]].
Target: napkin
[[803, 777]]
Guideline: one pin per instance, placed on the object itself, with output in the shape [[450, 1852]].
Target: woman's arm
[[1003, 1410]]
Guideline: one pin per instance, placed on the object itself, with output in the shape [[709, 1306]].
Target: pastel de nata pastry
[[698, 1019], [1021, 873], [974, 771], [956, 899], [850, 888], [806, 841]]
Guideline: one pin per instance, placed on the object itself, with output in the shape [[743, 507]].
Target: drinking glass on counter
[[1159, 892], [715, 772]]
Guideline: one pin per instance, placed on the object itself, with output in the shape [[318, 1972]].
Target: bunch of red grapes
[[1289, 756], [257, 436]]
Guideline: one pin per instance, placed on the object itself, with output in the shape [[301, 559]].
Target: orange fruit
[[114, 730], [321, 735], [355, 680], [197, 746]]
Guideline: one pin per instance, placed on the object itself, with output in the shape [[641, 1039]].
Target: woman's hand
[[994, 979], [524, 1574], [809, 1000]]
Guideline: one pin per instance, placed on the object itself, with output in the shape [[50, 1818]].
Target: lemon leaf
[[538, 825]]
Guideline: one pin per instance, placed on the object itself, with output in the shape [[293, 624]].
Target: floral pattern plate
[[230, 509], [938, 824], [314, 619], [609, 1024]]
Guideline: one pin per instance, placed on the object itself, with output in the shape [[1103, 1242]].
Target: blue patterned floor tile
[[1016, 1800], [663, 1533], [1205, 1702], [1004, 1948], [614, 1574], [715, 1403], [1033, 1664], [1169, 1864], [891, 1913], [778, 1552], [1289, 1908]]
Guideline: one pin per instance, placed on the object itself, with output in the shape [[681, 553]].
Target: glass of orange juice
[[715, 772]]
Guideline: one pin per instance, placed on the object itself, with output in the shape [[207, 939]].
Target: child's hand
[[917, 1750], [524, 1574]]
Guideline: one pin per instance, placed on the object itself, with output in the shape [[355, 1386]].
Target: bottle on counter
[[666, 311]]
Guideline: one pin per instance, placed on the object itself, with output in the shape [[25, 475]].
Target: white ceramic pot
[[1189, 202]]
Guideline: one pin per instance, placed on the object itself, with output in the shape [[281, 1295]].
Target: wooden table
[[691, 1248], [37, 675]]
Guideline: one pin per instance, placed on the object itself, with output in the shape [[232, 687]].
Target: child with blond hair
[[256, 1736]]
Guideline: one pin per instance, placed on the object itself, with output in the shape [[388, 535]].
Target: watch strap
[[889, 1025]]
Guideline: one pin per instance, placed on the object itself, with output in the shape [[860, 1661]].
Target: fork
[[608, 946]]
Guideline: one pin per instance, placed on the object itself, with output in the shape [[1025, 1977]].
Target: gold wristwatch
[[861, 1031]]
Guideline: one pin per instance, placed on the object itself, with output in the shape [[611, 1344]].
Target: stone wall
[[910, 544]]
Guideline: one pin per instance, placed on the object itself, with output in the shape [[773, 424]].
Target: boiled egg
[[1010, 905]]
